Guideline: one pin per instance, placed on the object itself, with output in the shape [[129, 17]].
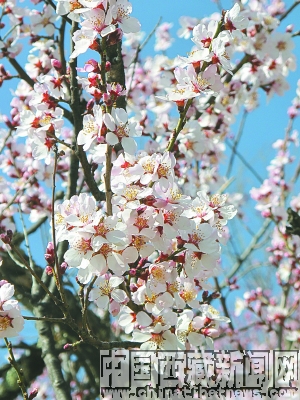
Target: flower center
[[59, 219], [105, 249], [46, 120], [5, 322], [74, 5], [82, 245], [84, 218], [213, 311], [130, 193], [89, 127], [122, 12], [101, 229], [202, 83], [138, 242], [158, 274], [216, 200], [188, 295], [122, 131], [281, 45], [173, 287], [150, 299], [175, 194], [157, 338], [163, 170], [141, 222], [149, 166], [170, 217], [105, 289]]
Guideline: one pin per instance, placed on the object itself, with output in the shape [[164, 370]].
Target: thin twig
[[19, 371], [22, 74], [57, 271], [236, 142], [23, 263], [225, 309], [54, 320], [289, 10], [107, 180], [5, 140], [85, 305], [138, 50], [245, 162], [244, 256]]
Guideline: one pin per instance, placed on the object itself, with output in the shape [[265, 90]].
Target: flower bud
[[49, 270], [63, 267], [6, 237], [33, 394], [56, 64]]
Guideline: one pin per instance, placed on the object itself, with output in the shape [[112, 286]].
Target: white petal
[[102, 302], [129, 145], [119, 295], [111, 138]]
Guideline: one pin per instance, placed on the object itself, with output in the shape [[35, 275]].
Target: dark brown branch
[[22, 73]]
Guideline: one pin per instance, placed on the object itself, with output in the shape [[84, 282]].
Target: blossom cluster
[[161, 243], [97, 17], [11, 320]]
